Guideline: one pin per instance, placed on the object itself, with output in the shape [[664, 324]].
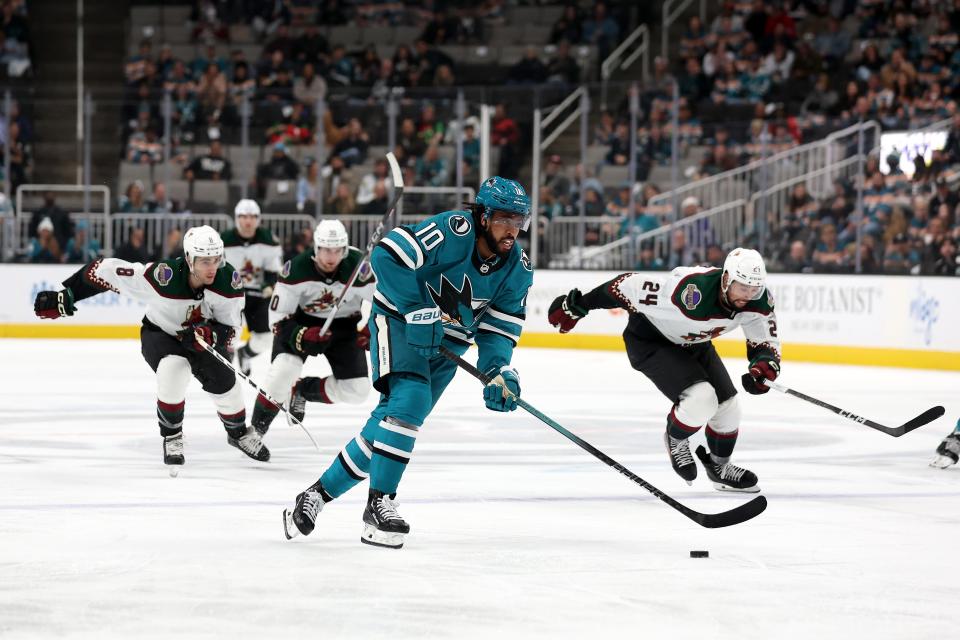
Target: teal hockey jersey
[[434, 265]]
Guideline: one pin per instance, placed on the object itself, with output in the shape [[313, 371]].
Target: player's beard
[[494, 245]]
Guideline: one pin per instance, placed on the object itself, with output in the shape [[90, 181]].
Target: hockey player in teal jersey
[[455, 278]]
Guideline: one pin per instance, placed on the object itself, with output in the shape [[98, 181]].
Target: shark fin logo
[[454, 302]]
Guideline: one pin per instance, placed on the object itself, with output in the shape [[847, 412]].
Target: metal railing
[[741, 182], [566, 238], [622, 58], [670, 15], [726, 225]]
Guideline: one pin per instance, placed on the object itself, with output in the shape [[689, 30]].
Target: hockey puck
[[699, 554]]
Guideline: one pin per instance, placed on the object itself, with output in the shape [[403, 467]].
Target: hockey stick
[[926, 417], [243, 376], [374, 238], [734, 516]]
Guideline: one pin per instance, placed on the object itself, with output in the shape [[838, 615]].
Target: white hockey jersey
[[685, 307], [305, 292], [253, 257], [164, 287]]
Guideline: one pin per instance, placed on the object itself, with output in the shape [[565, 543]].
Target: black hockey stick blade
[[926, 417], [744, 512], [734, 516]]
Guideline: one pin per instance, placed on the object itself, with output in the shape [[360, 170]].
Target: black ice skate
[[727, 476], [383, 526], [298, 404], [244, 356], [680, 457], [948, 452], [302, 518], [173, 449], [251, 444]]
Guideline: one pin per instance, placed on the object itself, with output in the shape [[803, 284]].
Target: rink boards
[[899, 321]]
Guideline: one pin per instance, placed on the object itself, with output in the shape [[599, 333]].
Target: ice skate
[[948, 452], [173, 449], [680, 457], [301, 519], [727, 476], [383, 526], [251, 444]]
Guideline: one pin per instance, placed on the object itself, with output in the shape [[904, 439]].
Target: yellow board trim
[[872, 356]]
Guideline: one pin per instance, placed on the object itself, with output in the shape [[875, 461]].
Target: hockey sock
[[350, 466], [234, 423], [313, 389], [392, 449], [721, 444], [264, 412], [676, 427], [170, 417]]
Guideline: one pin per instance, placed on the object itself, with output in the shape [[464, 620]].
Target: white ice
[[516, 532]]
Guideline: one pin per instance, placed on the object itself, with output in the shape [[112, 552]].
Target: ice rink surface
[[516, 532]]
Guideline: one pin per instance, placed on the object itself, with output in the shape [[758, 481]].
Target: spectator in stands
[[277, 89], [555, 179], [208, 22], [680, 254], [380, 174], [562, 68], [900, 256], [648, 260], [951, 149], [412, 144], [386, 83], [336, 172], [341, 202], [133, 250], [693, 43], [430, 129], [604, 129], [505, 133], [201, 63], [340, 69], [619, 204], [143, 147], [568, 27], [279, 167], [307, 187], [471, 152], [755, 24], [281, 41], [823, 99], [352, 149], [809, 63], [442, 29], [309, 88], [778, 64], [295, 128], [944, 196], [620, 147], [159, 202], [643, 220], [601, 30], [44, 248], [81, 248], [58, 217], [529, 69], [241, 88], [828, 256], [429, 58], [310, 47], [133, 200], [178, 75], [164, 61], [212, 89], [378, 203], [185, 117], [210, 166], [172, 245], [694, 84], [432, 170], [20, 156], [797, 260], [135, 68], [946, 261], [403, 62]]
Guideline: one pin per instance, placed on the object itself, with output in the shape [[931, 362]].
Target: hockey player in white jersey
[[668, 338], [200, 293], [257, 255], [309, 286]]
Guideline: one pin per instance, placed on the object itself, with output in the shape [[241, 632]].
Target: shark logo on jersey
[[163, 274], [457, 306], [691, 296], [525, 260], [459, 225]]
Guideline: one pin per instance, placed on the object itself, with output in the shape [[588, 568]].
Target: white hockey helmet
[[330, 234], [746, 267], [246, 207], [202, 242]]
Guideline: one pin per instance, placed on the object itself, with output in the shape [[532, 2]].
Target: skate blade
[[289, 527], [173, 470], [374, 537], [719, 486], [942, 462]]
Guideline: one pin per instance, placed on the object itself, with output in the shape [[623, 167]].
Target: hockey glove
[[565, 312], [363, 338], [424, 331], [761, 369], [501, 394], [54, 304], [309, 340]]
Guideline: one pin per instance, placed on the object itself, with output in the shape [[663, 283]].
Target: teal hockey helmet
[[500, 194]]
